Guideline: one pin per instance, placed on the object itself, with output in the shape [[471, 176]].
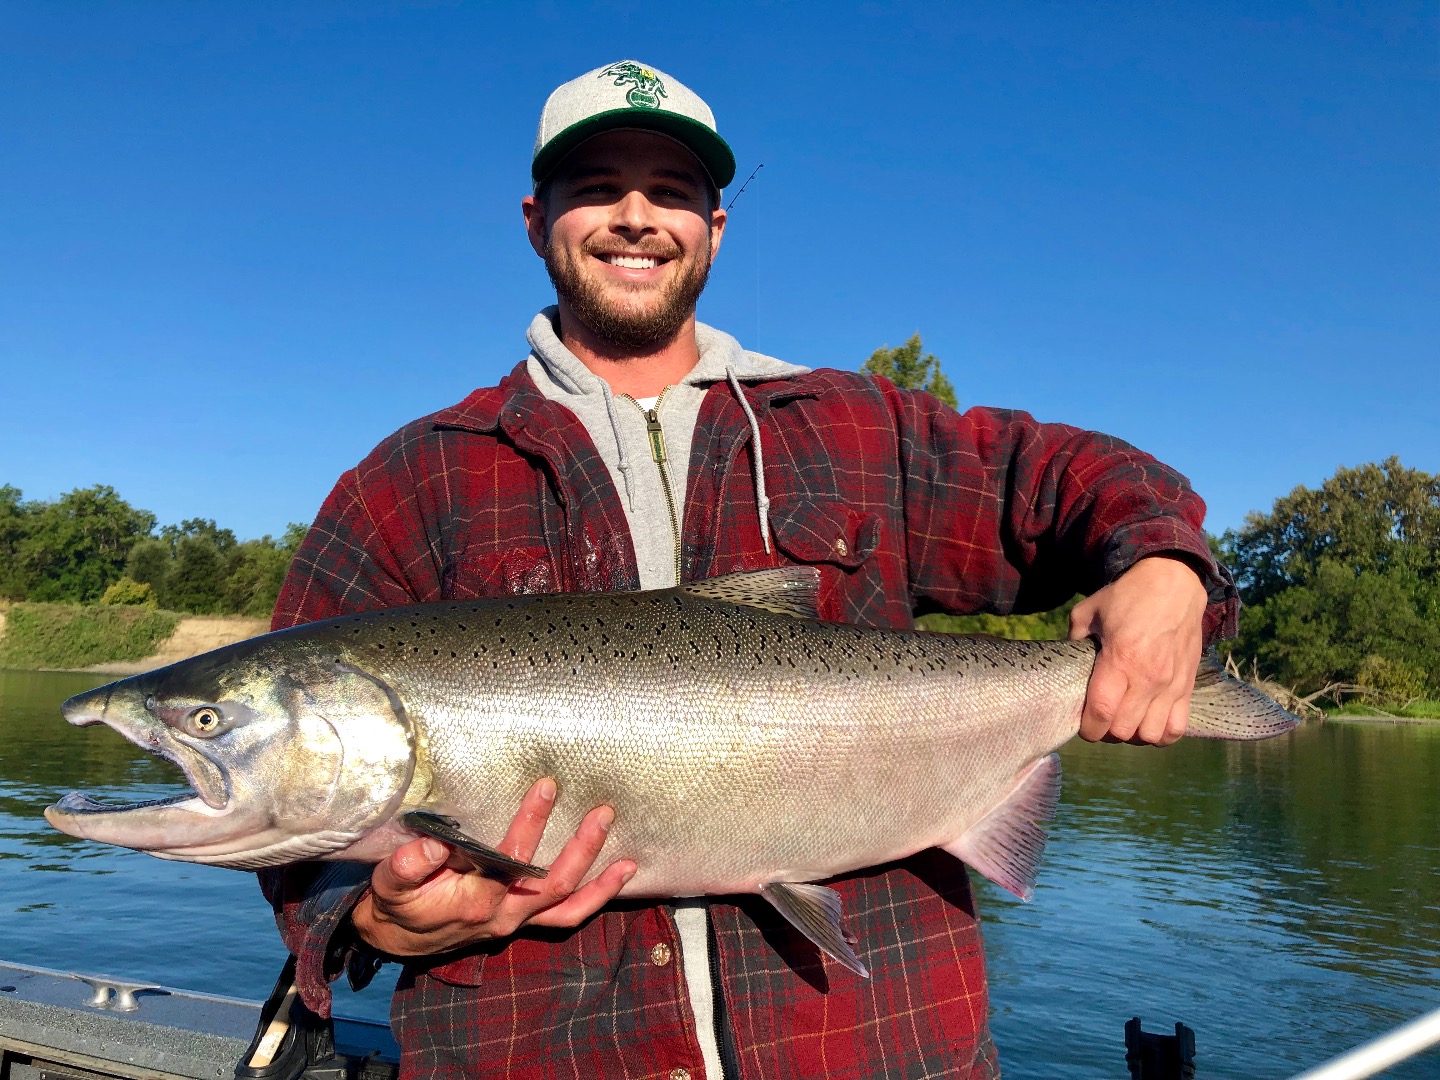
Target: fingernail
[[626, 879], [547, 790], [604, 818], [435, 851]]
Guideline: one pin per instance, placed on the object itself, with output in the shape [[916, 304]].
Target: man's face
[[628, 232]]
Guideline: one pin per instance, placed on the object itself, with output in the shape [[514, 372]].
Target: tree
[[195, 581], [149, 563], [1342, 584], [15, 525], [76, 546], [911, 369], [1372, 517], [256, 569]]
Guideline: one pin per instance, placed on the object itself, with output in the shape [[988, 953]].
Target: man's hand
[[426, 899], [1148, 623]]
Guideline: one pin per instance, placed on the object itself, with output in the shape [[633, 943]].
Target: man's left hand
[[1148, 623]]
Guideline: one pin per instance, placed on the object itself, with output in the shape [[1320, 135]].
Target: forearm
[[1007, 514]]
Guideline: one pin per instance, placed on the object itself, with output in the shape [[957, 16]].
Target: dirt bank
[[194, 634]]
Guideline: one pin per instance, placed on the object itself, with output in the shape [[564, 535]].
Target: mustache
[[656, 249]]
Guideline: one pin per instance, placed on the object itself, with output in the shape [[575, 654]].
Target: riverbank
[[111, 640], [194, 634]]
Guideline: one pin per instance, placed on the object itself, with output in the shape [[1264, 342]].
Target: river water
[[1281, 898]]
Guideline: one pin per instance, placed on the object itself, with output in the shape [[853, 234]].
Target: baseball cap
[[628, 94]]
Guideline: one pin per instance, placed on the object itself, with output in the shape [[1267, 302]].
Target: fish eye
[[205, 720], [150, 703]]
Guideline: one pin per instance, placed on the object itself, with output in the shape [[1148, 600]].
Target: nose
[[633, 215]]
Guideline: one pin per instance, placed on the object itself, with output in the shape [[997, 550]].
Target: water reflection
[[1282, 898]]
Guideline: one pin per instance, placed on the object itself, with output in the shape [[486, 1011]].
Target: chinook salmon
[[744, 746]]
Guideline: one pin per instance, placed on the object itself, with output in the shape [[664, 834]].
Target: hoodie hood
[[559, 373], [617, 426]]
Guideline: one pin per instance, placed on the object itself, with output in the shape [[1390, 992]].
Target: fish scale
[[744, 745]]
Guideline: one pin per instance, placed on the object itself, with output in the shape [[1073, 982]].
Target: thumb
[[1083, 618], [408, 867]]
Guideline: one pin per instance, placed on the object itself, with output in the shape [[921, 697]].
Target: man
[[635, 447]]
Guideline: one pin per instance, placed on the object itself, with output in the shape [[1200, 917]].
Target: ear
[[718, 218], [534, 211]]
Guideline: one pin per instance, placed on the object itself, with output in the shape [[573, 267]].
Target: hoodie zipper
[[656, 435]]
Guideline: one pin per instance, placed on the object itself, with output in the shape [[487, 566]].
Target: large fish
[[744, 746]]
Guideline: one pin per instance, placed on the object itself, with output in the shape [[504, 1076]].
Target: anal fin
[[814, 910], [1006, 844], [487, 860]]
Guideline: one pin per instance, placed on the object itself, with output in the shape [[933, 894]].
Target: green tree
[[909, 367], [196, 580], [1342, 583], [1372, 517], [76, 546], [256, 569], [15, 525], [149, 563]]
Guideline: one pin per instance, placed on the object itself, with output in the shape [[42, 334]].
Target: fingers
[[408, 867], [426, 898], [528, 826], [529, 898]]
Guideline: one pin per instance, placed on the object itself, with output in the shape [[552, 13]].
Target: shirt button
[[841, 547], [679, 1074], [660, 956]]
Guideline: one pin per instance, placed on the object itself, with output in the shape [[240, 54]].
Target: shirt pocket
[[824, 531]]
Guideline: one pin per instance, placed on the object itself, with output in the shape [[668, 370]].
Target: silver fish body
[[741, 746]]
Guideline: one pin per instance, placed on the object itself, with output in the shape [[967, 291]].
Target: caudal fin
[[1006, 844], [1226, 708]]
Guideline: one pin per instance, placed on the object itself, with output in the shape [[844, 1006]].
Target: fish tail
[[1226, 708]]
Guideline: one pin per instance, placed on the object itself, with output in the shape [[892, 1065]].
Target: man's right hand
[[427, 899]]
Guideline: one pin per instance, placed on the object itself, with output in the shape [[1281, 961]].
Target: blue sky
[[240, 243]]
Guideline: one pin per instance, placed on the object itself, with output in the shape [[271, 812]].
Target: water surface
[[1281, 898]]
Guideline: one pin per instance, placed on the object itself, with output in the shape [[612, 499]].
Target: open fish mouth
[[77, 802]]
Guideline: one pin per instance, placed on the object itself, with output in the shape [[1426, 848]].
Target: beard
[[628, 328]]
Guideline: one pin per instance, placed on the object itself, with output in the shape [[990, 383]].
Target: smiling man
[[633, 448]]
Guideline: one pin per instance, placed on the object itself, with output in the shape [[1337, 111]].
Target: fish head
[[292, 753]]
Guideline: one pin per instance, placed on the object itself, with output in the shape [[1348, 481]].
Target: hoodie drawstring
[[762, 500], [624, 463]]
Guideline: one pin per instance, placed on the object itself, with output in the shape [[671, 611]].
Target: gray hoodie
[[618, 427]]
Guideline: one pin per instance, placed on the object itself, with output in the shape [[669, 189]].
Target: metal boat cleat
[[116, 994]]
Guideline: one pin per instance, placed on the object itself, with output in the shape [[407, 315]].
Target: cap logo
[[646, 88]]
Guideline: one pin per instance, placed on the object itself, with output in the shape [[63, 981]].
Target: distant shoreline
[[193, 635]]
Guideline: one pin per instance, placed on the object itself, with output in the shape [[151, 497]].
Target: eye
[[150, 703], [206, 720]]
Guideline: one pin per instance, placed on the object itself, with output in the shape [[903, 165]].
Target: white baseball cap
[[628, 94]]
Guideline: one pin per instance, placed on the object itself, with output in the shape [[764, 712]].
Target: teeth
[[633, 262]]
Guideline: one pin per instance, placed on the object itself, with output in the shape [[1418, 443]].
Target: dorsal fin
[[787, 590]]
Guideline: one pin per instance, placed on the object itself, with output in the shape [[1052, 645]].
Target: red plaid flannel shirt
[[905, 506]]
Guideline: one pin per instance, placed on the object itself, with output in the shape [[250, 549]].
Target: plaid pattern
[[904, 506]]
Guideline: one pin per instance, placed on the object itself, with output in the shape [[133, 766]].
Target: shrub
[[127, 592]]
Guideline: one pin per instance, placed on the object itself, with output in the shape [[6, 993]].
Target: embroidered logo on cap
[[646, 90]]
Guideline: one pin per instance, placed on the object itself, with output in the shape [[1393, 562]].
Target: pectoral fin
[[814, 910], [487, 860]]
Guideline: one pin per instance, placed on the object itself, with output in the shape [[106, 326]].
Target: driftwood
[[1287, 697]]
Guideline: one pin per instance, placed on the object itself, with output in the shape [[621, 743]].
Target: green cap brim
[[712, 151]]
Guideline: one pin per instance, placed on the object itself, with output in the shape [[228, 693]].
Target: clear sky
[[240, 243]]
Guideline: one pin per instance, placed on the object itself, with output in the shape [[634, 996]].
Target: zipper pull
[[657, 436]]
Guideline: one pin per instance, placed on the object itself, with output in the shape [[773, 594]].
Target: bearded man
[[635, 448]]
